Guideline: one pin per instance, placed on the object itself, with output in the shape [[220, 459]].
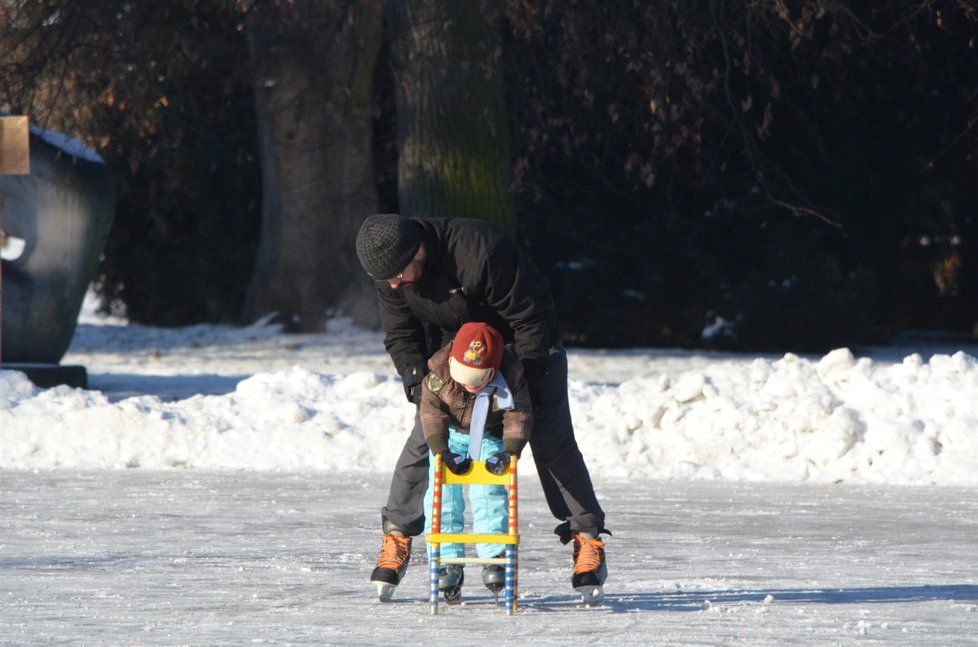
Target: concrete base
[[46, 376]]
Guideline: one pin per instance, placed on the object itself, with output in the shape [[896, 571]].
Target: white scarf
[[504, 399]]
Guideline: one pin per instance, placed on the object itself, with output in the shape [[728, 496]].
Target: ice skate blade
[[591, 595], [385, 592], [453, 598]]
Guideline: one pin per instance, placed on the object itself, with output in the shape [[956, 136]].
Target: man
[[433, 275]]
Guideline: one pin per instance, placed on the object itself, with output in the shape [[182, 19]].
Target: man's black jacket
[[474, 272]]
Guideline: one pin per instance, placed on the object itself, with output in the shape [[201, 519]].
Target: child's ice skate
[[450, 580], [494, 577]]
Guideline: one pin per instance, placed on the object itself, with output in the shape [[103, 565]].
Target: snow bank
[[837, 418]]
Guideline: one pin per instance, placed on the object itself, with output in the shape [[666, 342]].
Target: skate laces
[[394, 552], [588, 554]]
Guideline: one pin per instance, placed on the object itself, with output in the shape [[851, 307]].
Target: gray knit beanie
[[386, 244]]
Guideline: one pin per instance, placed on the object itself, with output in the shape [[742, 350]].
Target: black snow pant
[[560, 465]]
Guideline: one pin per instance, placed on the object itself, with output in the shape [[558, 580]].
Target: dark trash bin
[[62, 211]]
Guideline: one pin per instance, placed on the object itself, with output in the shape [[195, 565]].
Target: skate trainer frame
[[477, 475]]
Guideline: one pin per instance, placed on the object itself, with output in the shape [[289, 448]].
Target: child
[[475, 385]]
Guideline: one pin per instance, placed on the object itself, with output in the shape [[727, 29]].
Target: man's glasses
[[400, 275], [396, 277]]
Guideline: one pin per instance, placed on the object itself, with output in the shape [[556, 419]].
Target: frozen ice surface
[[143, 557]]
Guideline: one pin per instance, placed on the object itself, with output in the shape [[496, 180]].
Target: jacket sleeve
[[434, 421], [404, 338], [520, 293]]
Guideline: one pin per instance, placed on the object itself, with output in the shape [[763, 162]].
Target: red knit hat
[[476, 351]]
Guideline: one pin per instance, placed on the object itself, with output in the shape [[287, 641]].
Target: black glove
[[411, 380], [536, 367], [456, 464], [498, 463], [413, 393]]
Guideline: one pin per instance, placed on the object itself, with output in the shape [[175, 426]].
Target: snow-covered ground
[[754, 499], [211, 397]]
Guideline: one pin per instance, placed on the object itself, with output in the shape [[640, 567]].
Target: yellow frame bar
[[470, 538], [478, 475]]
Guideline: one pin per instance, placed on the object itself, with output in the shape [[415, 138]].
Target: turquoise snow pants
[[489, 513]]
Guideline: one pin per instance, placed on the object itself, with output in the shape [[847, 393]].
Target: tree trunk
[[314, 65], [453, 138]]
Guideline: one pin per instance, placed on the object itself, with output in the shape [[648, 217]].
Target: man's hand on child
[[456, 464], [498, 463]]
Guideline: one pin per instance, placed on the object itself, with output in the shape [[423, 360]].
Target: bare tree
[[314, 65], [453, 139], [162, 92]]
